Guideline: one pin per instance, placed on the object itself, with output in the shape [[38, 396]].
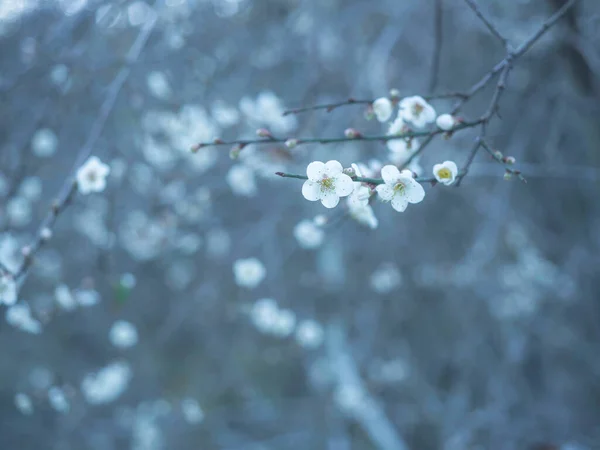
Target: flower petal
[[357, 170], [311, 191], [399, 203], [414, 192], [329, 199], [390, 174], [333, 167], [343, 185], [385, 191], [451, 165], [315, 171]]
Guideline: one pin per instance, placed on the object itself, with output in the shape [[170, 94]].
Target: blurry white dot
[[241, 180], [123, 334], [386, 278], [40, 378], [58, 400], [59, 74], [285, 323], [31, 188], [191, 411], [248, 272], [23, 403], [308, 234], [70, 7], [138, 13], [87, 297], [158, 84], [64, 298], [218, 243], [107, 384], [309, 334], [264, 314], [44, 143], [128, 280], [348, 397], [18, 211]]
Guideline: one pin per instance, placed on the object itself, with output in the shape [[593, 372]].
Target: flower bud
[[291, 143], [510, 160], [263, 132], [351, 133]]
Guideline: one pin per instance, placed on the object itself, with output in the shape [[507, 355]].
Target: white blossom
[[91, 176], [241, 180], [158, 85], [123, 334], [58, 400], [264, 314], [44, 143], [308, 234], [445, 122], [326, 182], [64, 297], [399, 188], [248, 272], [383, 108], [285, 323], [386, 278], [445, 172], [309, 333], [364, 215], [107, 384], [8, 289], [416, 111], [19, 316], [23, 403], [361, 194], [191, 410]]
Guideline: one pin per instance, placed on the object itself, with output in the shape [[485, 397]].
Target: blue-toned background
[[470, 321]]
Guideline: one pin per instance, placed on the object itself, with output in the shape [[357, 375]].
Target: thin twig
[[490, 26], [437, 46], [69, 187], [498, 158]]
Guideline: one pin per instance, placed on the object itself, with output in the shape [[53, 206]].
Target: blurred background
[[185, 307]]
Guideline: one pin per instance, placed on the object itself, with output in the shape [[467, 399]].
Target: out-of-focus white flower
[[309, 334], [264, 314], [326, 182], [308, 234], [385, 279], [191, 410], [416, 111], [8, 289], [87, 297], [248, 272], [241, 180], [91, 176], [123, 334], [364, 215], [158, 85], [445, 122], [58, 400], [383, 108], [267, 111], [349, 397], [64, 298], [285, 323], [320, 220], [23, 403], [399, 188], [44, 143], [19, 316], [107, 384], [445, 172]]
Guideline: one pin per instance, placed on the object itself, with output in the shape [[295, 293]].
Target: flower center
[[92, 176], [327, 184], [399, 188], [418, 109], [444, 173]]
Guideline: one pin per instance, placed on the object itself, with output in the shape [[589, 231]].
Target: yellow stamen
[[444, 173], [418, 109], [327, 184]]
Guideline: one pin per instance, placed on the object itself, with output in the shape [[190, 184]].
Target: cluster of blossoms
[[328, 182]]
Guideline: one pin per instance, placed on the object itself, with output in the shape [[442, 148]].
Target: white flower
[[23, 403], [445, 122], [191, 410], [123, 334], [8, 289], [445, 172], [58, 399], [383, 108], [417, 111], [107, 384], [308, 234], [284, 324], [19, 316], [91, 176], [360, 195], [241, 180], [327, 183], [248, 272], [365, 216], [309, 334], [386, 278], [400, 188]]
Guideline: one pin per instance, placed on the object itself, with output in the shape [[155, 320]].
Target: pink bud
[[352, 133]]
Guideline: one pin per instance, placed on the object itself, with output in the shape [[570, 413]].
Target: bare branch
[[492, 29]]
